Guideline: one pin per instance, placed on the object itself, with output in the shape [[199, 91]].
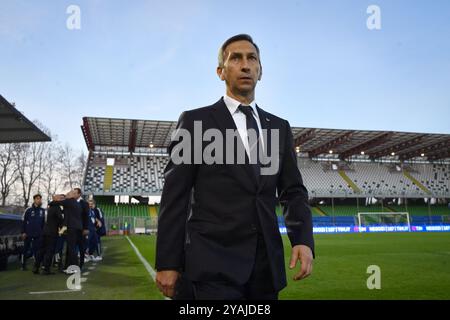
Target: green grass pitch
[[413, 266]]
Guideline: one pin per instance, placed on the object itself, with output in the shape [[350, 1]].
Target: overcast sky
[[322, 66]]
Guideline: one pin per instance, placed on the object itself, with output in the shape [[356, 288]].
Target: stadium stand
[[113, 210], [128, 174], [416, 210], [145, 175], [370, 171]]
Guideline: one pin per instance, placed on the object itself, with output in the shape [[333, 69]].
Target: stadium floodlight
[[395, 221]]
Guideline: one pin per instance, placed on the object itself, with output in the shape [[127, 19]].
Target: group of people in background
[[65, 234]]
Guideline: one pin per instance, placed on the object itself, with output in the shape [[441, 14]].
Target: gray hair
[[235, 38]]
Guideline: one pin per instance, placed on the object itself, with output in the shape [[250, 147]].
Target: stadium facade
[[345, 171]]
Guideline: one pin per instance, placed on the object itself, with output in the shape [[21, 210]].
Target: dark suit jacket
[[217, 241], [84, 214], [54, 220], [76, 214]]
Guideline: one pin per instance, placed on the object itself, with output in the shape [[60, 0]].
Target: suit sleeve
[[60, 217], [293, 196], [175, 201], [43, 218], [85, 214], [65, 203], [97, 213]]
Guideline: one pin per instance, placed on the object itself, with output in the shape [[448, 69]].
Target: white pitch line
[[147, 265], [144, 262], [56, 291], [86, 273], [91, 268]]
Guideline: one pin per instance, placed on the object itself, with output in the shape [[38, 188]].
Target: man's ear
[[260, 73], [220, 73]]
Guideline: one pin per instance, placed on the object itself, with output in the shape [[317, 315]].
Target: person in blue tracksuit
[[32, 225], [92, 240], [96, 230]]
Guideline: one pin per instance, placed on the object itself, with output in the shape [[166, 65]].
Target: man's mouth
[[245, 78]]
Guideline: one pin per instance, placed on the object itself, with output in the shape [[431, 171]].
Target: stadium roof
[[126, 133], [313, 141], [15, 127]]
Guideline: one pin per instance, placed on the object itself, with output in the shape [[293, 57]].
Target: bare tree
[[46, 167], [81, 167], [73, 165], [52, 178], [67, 165], [8, 171], [29, 159]]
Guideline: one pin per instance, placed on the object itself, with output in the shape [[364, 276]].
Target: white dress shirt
[[241, 121]]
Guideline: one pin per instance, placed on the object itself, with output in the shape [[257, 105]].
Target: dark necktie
[[251, 124]]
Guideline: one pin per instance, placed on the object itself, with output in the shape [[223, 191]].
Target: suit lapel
[[223, 118]]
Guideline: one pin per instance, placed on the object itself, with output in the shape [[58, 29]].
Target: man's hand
[[70, 194], [24, 236], [304, 254], [166, 280], [85, 232]]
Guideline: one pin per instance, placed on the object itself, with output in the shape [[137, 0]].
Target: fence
[[131, 225]]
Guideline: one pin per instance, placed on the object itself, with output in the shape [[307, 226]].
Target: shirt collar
[[232, 105], [79, 199]]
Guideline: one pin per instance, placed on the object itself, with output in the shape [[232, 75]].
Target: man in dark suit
[[76, 212], [49, 236], [229, 246], [84, 222]]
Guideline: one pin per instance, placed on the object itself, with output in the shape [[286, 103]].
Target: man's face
[[91, 204], [37, 201], [241, 69], [76, 193]]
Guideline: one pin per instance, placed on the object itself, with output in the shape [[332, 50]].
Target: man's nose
[[244, 66]]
